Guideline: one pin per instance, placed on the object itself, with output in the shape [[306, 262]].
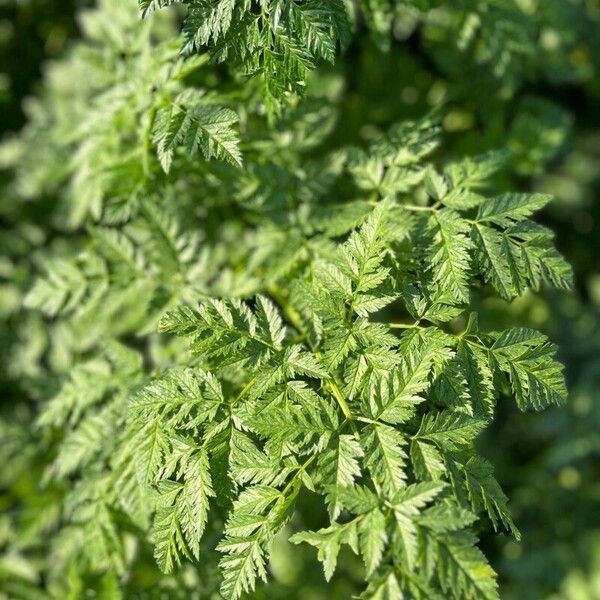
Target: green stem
[[302, 469], [296, 320], [289, 311], [337, 394], [405, 325], [480, 346], [244, 390], [421, 208]]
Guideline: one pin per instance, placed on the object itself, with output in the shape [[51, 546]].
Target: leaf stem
[[337, 394], [480, 346], [289, 311], [302, 469], [405, 325], [244, 390], [417, 207], [296, 320]]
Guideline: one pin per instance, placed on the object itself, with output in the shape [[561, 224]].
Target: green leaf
[[168, 539], [492, 261], [460, 566], [248, 464], [485, 493], [505, 209], [148, 6], [329, 541], [406, 505], [182, 512], [527, 357], [372, 539], [449, 257], [426, 460], [203, 127], [340, 468], [256, 517], [449, 430], [384, 456]]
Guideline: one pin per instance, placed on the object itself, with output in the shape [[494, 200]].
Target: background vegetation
[[541, 101]]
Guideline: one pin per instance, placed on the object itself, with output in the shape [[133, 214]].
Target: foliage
[[236, 322]]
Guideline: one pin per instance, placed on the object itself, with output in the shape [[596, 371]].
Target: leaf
[[181, 398], [195, 496], [168, 539], [460, 566], [471, 171], [492, 261], [248, 464], [478, 377], [435, 184], [201, 127], [504, 210], [385, 456], [62, 290], [485, 492], [329, 541], [372, 539], [86, 385], [406, 505], [338, 346], [84, 442], [340, 468], [298, 362], [449, 430], [148, 6], [270, 320], [395, 397], [426, 460], [183, 513], [449, 258], [208, 23], [256, 517], [527, 357], [383, 588], [298, 417]]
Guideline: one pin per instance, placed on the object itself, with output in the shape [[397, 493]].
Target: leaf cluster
[[238, 315]]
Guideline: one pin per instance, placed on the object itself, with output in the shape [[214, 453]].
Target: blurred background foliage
[[531, 85]]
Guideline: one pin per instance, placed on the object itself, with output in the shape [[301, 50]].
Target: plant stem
[[404, 325], [296, 320]]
